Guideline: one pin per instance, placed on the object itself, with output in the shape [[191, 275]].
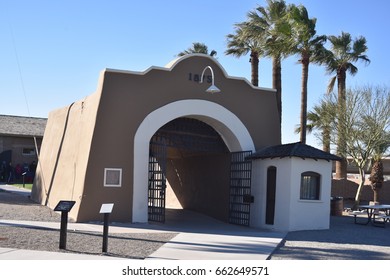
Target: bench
[[385, 218], [361, 214], [375, 213]]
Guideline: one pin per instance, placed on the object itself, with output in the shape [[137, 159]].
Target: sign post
[[106, 209], [64, 206]]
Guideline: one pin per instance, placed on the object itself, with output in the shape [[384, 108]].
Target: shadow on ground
[[345, 240]]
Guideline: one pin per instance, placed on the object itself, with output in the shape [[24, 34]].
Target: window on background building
[[28, 151], [310, 186]]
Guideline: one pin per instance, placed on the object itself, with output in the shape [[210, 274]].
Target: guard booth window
[[310, 186]]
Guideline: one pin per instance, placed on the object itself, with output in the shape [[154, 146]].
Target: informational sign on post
[[106, 209], [64, 206]]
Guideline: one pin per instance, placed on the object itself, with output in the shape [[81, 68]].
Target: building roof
[[22, 126], [293, 150]]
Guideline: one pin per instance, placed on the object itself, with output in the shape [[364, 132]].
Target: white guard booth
[[295, 186]]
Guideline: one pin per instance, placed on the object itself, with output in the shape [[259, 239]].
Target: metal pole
[[105, 232], [23, 174], [64, 228]]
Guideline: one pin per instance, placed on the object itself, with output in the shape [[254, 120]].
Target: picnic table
[[373, 214]]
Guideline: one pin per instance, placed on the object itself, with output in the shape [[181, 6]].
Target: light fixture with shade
[[212, 88]]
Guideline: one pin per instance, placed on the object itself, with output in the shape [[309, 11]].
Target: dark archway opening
[[194, 161]]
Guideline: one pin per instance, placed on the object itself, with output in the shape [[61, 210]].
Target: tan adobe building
[[155, 139]]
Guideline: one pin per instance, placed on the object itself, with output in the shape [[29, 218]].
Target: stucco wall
[[64, 154], [348, 188], [291, 213], [100, 132], [283, 190], [310, 214]]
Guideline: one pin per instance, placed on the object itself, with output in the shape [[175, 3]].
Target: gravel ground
[[19, 207], [343, 241]]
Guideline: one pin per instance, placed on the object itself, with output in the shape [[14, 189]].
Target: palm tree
[[344, 52], [309, 47], [380, 126], [198, 48], [321, 118], [243, 42], [270, 24], [376, 175], [367, 120]]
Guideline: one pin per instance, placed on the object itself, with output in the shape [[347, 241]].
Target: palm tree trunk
[[305, 75], [277, 83], [341, 166], [326, 139], [255, 68], [376, 178], [376, 195]]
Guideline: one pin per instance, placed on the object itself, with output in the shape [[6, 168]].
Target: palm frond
[[331, 84], [352, 69], [360, 46], [197, 47]]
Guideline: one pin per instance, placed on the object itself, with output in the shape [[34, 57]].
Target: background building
[[17, 145]]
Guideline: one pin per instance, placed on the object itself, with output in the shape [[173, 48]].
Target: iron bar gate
[[157, 180], [240, 188]]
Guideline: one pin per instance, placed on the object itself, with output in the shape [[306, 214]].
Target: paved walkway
[[200, 237]]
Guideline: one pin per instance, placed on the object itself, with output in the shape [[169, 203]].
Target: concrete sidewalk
[[204, 238], [200, 238], [187, 245], [18, 254]]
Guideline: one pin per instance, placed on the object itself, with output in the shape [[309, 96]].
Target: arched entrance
[[189, 160], [231, 130]]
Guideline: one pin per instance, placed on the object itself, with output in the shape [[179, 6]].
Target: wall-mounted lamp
[[212, 88]]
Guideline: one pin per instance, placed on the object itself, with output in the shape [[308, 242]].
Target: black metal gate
[[157, 179], [240, 188]]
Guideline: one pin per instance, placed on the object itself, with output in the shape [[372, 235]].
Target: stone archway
[[227, 124]]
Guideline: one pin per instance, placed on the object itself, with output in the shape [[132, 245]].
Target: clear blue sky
[[52, 51]]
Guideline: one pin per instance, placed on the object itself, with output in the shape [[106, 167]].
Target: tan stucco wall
[[121, 103], [64, 154]]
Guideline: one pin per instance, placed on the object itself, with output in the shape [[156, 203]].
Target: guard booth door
[[240, 188], [157, 180]]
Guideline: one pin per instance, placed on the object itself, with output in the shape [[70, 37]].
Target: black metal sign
[[64, 206]]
